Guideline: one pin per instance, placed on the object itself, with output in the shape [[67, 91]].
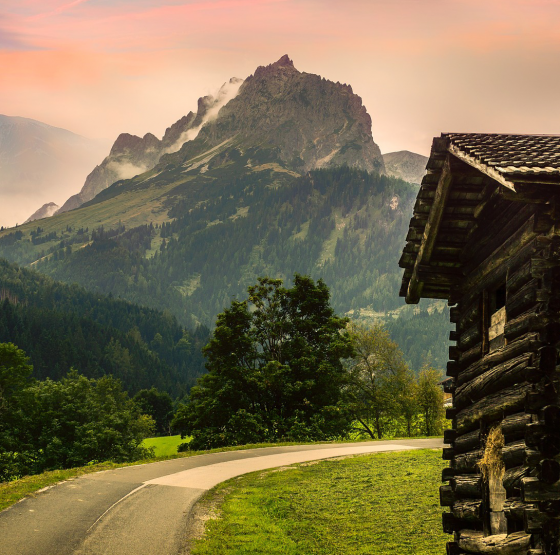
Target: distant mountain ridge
[[406, 165], [46, 211], [40, 162]]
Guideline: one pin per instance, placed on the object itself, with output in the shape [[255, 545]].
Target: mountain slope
[[61, 326], [39, 163]]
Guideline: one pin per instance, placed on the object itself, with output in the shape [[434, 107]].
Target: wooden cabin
[[485, 236]]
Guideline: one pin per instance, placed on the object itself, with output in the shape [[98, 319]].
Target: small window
[[498, 299], [497, 318]]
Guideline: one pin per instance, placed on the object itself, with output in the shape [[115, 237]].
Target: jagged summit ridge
[[310, 122], [131, 155]]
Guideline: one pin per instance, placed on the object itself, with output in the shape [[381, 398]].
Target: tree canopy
[[274, 370]]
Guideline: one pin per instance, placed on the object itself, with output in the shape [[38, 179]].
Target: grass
[[164, 446], [367, 505]]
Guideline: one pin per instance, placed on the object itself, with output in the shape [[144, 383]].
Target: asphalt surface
[[143, 510]]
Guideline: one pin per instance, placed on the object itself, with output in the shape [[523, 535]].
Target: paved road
[[142, 510]]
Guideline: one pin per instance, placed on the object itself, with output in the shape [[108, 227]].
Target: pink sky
[[101, 67]]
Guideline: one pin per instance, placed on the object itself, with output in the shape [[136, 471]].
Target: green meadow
[[164, 446], [366, 505]]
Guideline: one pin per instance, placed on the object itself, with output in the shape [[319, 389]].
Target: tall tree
[[380, 384], [430, 399], [274, 369]]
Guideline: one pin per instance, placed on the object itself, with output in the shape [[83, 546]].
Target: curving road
[[143, 510]]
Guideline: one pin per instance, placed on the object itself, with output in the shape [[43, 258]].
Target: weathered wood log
[[548, 471], [449, 436], [513, 426], [447, 474], [533, 490], [509, 228], [535, 521], [550, 416], [483, 274], [539, 397], [446, 496], [467, 463], [466, 442], [448, 453], [533, 434], [513, 476], [470, 355], [492, 407], [529, 321], [548, 358], [454, 353], [499, 377], [467, 486], [450, 413], [532, 457], [452, 548], [501, 544], [470, 336], [520, 346], [549, 445], [524, 299], [514, 507], [469, 510], [468, 315], [513, 454], [519, 278], [453, 369], [449, 385]]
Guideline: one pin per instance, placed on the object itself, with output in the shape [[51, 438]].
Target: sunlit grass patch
[[366, 505]]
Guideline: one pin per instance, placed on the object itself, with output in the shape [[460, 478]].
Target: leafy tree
[[158, 405], [14, 374], [430, 399], [274, 370], [48, 425], [380, 384]]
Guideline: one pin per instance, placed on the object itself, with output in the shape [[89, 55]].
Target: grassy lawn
[[367, 505], [164, 446]]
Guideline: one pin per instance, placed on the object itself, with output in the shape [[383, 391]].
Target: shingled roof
[[465, 172], [508, 156]]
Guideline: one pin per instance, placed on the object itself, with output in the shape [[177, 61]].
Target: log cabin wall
[[494, 254]]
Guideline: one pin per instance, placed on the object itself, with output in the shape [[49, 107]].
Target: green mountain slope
[[61, 326]]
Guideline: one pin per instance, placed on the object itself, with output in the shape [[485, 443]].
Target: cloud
[[213, 104], [126, 170]]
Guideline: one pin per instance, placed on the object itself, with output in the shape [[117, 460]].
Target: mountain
[[132, 155], [39, 163], [406, 165], [61, 326], [286, 178], [46, 211]]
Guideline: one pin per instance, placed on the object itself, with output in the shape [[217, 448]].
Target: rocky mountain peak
[[283, 65]]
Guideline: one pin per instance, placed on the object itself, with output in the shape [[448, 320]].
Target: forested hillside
[[61, 326], [345, 226]]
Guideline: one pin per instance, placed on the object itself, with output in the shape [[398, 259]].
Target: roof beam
[[429, 236]]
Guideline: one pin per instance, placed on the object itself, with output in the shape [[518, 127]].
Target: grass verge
[[364, 505]]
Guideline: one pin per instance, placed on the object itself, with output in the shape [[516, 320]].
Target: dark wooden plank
[[430, 233], [492, 407]]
